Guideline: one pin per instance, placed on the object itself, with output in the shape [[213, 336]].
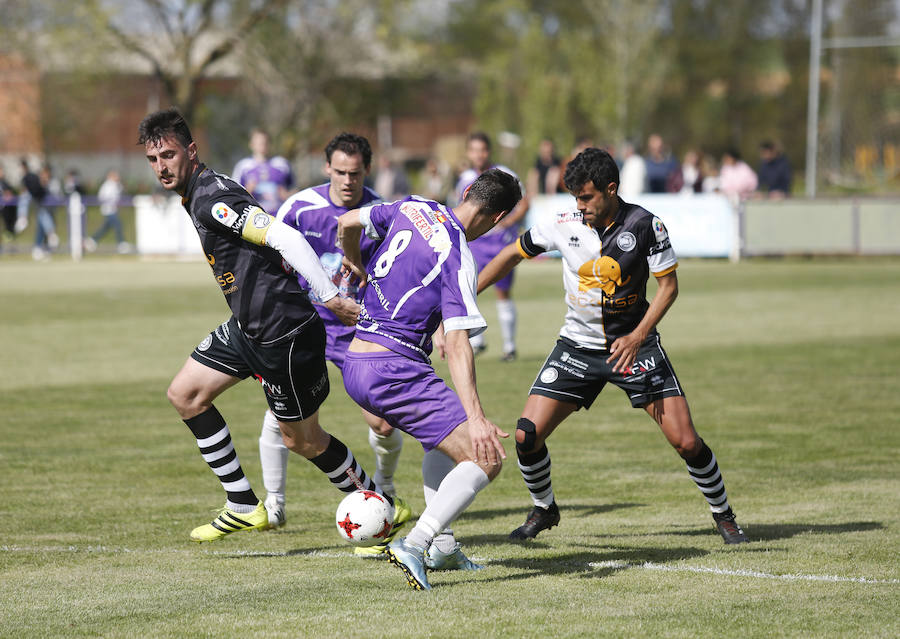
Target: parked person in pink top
[[736, 179]]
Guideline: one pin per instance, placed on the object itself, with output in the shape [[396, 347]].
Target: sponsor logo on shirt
[[224, 214], [568, 216], [574, 242], [604, 273]]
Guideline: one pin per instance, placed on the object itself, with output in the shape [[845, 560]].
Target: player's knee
[[382, 428], [688, 445], [492, 470], [526, 435], [184, 400]]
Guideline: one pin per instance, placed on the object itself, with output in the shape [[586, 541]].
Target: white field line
[[618, 565]]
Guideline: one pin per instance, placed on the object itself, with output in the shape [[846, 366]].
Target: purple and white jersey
[[263, 179], [312, 212], [422, 273]]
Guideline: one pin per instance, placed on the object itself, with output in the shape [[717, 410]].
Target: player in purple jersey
[[269, 179], [421, 275], [478, 153], [314, 212], [274, 333], [609, 249]]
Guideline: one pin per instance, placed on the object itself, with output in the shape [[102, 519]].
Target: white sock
[[477, 341], [435, 466], [506, 315], [456, 492], [387, 455], [273, 455]]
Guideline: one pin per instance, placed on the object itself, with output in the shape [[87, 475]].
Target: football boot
[[229, 521], [538, 519], [411, 560]]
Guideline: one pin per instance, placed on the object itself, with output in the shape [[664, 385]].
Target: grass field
[[791, 369]]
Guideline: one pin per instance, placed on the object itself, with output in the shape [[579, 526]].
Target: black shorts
[[292, 371], [577, 375]]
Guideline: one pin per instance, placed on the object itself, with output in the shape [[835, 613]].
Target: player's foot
[[509, 356], [411, 560], [538, 519], [436, 559], [275, 511], [479, 349], [729, 529], [402, 514], [229, 521], [90, 244]]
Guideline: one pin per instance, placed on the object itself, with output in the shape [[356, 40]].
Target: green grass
[[790, 368]]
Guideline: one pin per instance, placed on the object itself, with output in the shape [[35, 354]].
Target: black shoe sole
[[410, 578]]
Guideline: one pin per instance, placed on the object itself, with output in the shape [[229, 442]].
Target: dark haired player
[[609, 249], [422, 274], [274, 333], [314, 212]]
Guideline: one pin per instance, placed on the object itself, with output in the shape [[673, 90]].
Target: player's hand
[[624, 351], [350, 269], [485, 438], [344, 308], [438, 341]]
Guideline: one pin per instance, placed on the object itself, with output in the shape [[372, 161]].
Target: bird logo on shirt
[[604, 273]]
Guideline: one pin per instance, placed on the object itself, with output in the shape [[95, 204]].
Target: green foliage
[[797, 396]]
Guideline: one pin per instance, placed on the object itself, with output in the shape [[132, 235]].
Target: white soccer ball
[[364, 518]]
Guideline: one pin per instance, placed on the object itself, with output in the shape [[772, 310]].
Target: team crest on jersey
[[205, 344], [224, 213], [261, 220], [626, 241], [604, 273]]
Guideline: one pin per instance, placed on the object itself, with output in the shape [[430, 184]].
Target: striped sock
[[535, 469], [214, 441], [338, 462], [704, 470]]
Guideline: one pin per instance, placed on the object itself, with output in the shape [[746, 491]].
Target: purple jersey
[[263, 180], [422, 273], [312, 212]]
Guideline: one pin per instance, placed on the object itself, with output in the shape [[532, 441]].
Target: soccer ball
[[364, 518]]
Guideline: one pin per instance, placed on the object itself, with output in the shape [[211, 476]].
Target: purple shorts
[[406, 393], [486, 247], [337, 340]]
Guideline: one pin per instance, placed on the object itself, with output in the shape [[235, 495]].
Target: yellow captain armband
[[256, 226], [521, 250]]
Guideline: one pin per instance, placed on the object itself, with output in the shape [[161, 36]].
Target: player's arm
[[484, 435], [349, 232], [263, 229], [625, 349]]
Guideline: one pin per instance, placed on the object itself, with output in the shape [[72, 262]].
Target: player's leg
[[506, 316], [192, 393], [540, 417], [674, 418], [455, 492], [273, 457], [386, 443]]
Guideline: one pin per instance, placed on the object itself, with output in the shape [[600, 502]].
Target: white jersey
[[604, 273]]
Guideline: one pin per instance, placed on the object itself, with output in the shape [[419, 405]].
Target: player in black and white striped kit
[[609, 250]]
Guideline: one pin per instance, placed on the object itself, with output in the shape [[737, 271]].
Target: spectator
[[774, 172], [663, 172], [633, 173], [736, 179], [7, 207], [390, 181], [434, 182], [544, 175], [37, 187], [110, 197], [710, 172], [691, 173]]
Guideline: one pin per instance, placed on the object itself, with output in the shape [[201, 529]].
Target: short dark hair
[[495, 190], [479, 135], [161, 124], [351, 144], [767, 145], [591, 165]]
